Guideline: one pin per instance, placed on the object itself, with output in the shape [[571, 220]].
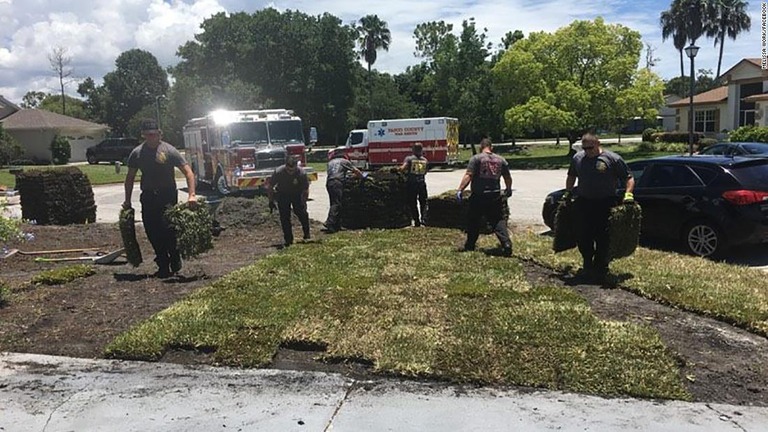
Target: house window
[[704, 121], [747, 117]]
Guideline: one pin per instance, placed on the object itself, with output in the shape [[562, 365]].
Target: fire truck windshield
[[286, 132], [248, 133]]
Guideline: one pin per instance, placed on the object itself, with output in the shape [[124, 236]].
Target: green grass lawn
[[407, 302]]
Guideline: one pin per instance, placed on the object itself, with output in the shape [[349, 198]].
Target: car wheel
[[221, 185], [92, 159], [703, 238]]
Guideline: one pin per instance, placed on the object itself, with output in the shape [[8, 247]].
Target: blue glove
[[365, 175], [459, 198]]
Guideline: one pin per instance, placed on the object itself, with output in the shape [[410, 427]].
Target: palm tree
[[730, 19], [373, 35], [672, 25]]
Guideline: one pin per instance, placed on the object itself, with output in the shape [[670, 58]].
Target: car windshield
[[753, 175], [286, 132]]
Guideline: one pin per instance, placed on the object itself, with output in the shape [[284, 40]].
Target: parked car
[[706, 203], [111, 150], [737, 149]]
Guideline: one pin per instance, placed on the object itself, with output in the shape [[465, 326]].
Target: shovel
[[12, 252], [103, 259]]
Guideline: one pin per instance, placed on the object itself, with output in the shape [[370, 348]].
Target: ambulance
[[388, 142], [237, 151]]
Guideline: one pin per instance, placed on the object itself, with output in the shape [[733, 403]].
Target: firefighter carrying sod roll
[[483, 173], [599, 172], [157, 159]]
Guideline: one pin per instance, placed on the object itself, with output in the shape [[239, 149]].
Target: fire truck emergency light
[[223, 117]]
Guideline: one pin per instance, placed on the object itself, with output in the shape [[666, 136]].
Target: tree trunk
[[63, 99], [370, 94], [720, 57], [682, 70]]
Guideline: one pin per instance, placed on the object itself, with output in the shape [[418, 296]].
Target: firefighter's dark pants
[[417, 198], [284, 204], [489, 206], [154, 203], [592, 238], [335, 191]]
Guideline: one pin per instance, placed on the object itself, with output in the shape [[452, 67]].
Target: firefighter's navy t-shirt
[[338, 168], [417, 168], [156, 165], [290, 184], [599, 176], [486, 170]]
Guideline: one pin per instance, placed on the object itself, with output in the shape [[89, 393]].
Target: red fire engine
[[238, 150]]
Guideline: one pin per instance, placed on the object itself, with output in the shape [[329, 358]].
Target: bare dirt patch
[[719, 363]]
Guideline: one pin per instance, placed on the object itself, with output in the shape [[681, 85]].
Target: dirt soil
[[719, 363]]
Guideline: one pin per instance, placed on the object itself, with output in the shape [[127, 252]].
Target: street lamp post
[[691, 51], [157, 109]]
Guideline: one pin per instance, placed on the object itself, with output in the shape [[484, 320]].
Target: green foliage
[[681, 85], [387, 100], [675, 137], [660, 146], [706, 142], [648, 134], [9, 147], [587, 69], [52, 102], [61, 151], [60, 276], [10, 229], [749, 134], [193, 228]]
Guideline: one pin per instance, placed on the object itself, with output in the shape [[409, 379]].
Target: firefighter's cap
[[149, 125]]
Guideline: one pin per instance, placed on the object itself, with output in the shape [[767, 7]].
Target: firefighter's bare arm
[[570, 182], [130, 177], [465, 181], [508, 183], [190, 176]]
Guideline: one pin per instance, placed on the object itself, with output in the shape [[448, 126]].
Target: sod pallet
[[378, 201], [61, 196], [445, 211]]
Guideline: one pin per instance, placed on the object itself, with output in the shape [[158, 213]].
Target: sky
[[94, 33]]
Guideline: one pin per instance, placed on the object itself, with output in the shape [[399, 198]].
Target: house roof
[[756, 62], [5, 103], [27, 119], [714, 96], [756, 98]]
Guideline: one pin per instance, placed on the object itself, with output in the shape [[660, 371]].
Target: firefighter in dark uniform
[[483, 173], [415, 167], [338, 167], [599, 172], [157, 159], [292, 187]]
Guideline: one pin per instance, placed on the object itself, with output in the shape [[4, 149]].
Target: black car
[[737, 149], [111, 150], [707, 203]]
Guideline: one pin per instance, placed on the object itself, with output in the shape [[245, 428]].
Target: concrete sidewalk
[[46, 393]]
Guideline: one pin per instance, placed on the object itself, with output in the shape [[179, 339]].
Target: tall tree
[[59, 62], [685, 22], [731, 18], [583, 76], [32, 99], [673, 26], [373, 36]]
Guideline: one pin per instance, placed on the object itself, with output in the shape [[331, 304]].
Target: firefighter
[[156, 160], [483, 173], [599, 173], [415, 166], [338, 167], [292, 186]]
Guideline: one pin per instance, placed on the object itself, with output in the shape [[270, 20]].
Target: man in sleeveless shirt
[[157, 159], [415, 167], [484, 172], [599, 173]]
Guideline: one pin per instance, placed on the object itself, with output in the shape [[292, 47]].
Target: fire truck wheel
[[221, 184]]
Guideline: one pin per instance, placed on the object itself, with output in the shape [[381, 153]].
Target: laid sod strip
[[734, 294], [62, 275], [405, 302]]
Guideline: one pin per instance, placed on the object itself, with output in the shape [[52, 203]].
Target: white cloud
[[96, 32]]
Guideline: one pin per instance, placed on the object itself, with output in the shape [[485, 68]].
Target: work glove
[[459, 197], [567, 196], [126, 205], [507, 192], [365, 175], [272, 206], [629, 198]]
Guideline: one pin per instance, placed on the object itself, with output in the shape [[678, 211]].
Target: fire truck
[[388, 142], [237, 151]]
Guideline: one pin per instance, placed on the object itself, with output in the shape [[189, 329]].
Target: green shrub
[[9, 228], [61, 151], [9, 148], [706, 142], [749, 133], [63, 275], [5, 294], [648, 133], [646, 146]]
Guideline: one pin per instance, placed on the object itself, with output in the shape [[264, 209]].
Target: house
[[669, 115], [35, 129], [742, 101]]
